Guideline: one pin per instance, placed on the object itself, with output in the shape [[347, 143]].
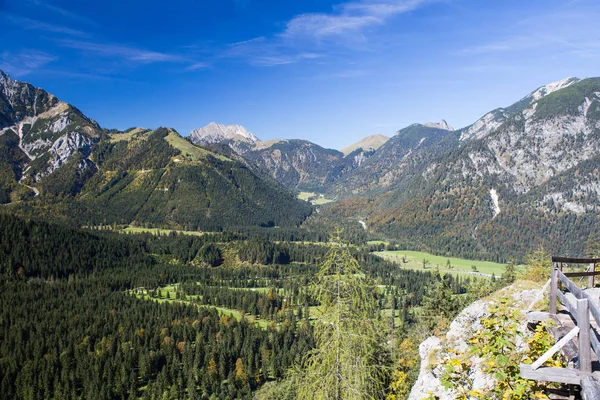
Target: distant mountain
[[236, 136], [440, 125], [56, 162], [398, 159], [296, 164], [369, 143], [518, 177]]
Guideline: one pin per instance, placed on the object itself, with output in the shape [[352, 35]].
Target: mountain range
[[57, 163], [519, 176], [526, 174]]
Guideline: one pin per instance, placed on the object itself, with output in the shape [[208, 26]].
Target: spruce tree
[[350, 360]]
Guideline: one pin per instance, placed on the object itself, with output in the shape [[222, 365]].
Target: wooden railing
[[580, 312]]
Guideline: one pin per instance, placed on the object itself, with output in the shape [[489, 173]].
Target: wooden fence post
[[585, 349], [591, 278], [553, 289]]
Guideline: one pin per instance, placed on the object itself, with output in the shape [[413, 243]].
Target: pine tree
[[350, 360]]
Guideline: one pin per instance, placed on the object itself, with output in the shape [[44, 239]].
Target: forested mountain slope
[[295, 163], [518, 177], [58, 163]]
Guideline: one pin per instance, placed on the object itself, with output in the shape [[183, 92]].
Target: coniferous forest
[[96, 314]]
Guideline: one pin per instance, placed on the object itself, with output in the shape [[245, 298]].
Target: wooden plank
[[551, 374], [595, 342], [558, 330], [557, 346], [570, 260], [591, 278], [578, 274], [539, 295], [571, 286], [580, 294], [553, 290], [583, 323], [565, 302]]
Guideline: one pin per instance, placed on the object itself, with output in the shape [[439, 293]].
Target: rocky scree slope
[[39, 134]]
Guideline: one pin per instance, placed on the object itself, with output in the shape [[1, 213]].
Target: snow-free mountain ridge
[[214, 133], [440, 125]]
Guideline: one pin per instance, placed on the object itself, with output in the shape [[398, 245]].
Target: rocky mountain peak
[[440, 125], [215, 133], [552, 87]]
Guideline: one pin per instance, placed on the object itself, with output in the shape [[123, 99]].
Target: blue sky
[[328, 71]]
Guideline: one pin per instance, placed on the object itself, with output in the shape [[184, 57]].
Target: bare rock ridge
[[214, 133], [440, 125]]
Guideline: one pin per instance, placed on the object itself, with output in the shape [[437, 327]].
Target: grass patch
[[188, 150], [314, 198], [126, 136], [460, 266], [159, 231]]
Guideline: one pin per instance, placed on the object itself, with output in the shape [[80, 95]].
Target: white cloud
[[257, 39], [270, 61], [350, 17], [63, 12], [28, 23], [197, 66], [126, 52], [24, 62]]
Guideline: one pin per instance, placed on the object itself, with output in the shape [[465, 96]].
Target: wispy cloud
[[197, 66], [350, 17], [255, 40], [129, 53], [271, 61], [24, 62], [63, 12], [317, 35], [28, 23]]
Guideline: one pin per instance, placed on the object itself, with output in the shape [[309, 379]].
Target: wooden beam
[[570, 260], [539, 295], [551, 374], [553, 290], [583, 323], [557, 346], [568, 305], [591, 278], [578, 274], [595, 342], [573, 288]]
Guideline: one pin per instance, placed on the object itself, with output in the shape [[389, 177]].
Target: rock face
[[433, 350], [235, 135], [38, 134], [440, 125]]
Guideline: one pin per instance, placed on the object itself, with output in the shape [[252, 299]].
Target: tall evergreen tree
[[350, 360]]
